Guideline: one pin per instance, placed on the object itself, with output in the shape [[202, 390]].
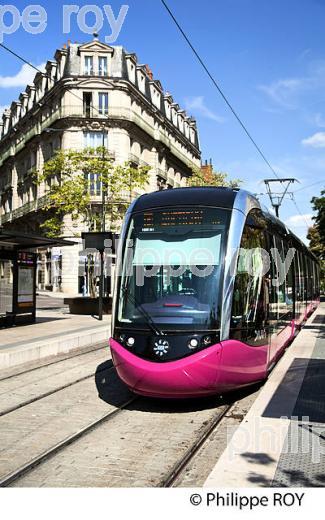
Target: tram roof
[[208, 196]]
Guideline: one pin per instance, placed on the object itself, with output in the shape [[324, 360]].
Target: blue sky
[[268, 57]]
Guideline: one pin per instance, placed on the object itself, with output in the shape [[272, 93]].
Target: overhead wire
[[215, 83], [24, 60]]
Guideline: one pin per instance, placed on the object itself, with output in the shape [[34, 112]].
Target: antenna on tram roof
[[277, 197]]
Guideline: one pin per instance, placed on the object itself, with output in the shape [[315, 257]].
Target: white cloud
[[283, 91], [198, 106], [286, 92], [298, 221], [315, 141], [318, 120], [23, 77]]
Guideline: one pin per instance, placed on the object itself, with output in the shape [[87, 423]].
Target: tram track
[[51, 392], [46, 455], [180, 466], [88, 350]]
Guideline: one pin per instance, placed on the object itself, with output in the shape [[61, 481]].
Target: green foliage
[[206, 178], [68, 172], [316, 234], [315, 242], [319, 206]]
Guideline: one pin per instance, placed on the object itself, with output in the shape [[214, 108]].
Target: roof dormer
[[181, 119], [96, 59], [141, 78], [174, 111], [30, 91], [168, 101], [156, 92], [61, 59], [23, 98], [131, 65]]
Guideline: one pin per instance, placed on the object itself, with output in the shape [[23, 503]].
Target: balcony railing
[[25, 209], [84, 112]]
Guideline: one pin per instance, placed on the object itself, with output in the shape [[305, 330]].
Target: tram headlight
[[193, 343], [130, 341]]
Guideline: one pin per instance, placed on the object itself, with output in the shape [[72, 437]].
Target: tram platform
[[55, 332], [281, 440]]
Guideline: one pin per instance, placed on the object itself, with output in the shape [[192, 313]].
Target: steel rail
[[182, 464], [46, 455]]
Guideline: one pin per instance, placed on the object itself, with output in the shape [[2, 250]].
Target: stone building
[[88, 93]]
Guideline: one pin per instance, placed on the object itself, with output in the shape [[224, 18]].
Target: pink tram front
[[210, 289]]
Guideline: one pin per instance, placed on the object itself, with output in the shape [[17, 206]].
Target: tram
[[210, 290]]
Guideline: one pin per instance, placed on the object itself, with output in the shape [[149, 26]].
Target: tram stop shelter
[[18, 262]]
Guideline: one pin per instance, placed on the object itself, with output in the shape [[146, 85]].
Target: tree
[[315, 242], [316, 234], [70, 174], [319, 206], [211, 178]]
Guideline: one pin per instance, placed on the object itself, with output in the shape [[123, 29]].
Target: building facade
[[89, 94]]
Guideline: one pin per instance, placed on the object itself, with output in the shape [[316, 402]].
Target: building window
[[87, 102], [95, 139], [103, 103], [94, 183], [102, 66], [89, 65]]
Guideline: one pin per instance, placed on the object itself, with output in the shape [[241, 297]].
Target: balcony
[[25, 209], [92, 112]]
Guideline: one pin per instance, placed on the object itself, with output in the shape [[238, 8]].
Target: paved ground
[[137, 447], [281, 440], [48, 323], [140, 445], [44, 301], [54, 332]]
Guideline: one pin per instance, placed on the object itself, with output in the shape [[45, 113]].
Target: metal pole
[[101, 279], [103, 187], [101, 286]]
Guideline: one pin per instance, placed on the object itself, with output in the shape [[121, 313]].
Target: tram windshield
[[172, 269]]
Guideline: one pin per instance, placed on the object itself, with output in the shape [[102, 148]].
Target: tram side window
[[308, 295], [317, 275], [250, 298], [303, 276], [314, 284], [281, 288], [298, 277], [310, 279], [288, 281]]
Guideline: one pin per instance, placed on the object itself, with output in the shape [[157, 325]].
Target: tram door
[[250, 308]]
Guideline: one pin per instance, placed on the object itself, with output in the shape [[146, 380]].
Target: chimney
[[207, 170], [149, 72]]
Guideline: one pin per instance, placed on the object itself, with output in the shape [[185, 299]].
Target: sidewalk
[[281, 441], [55, 332]]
